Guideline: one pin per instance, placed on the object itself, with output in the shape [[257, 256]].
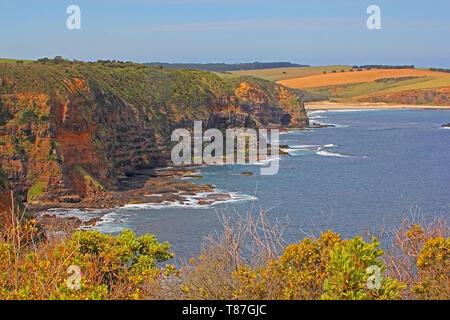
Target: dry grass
[[338, 78], [277, 74]]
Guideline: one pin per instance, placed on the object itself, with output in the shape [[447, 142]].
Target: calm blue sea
[[373, 168]]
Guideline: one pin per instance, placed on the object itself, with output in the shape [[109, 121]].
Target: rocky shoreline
[[161, 186], [150, 186]]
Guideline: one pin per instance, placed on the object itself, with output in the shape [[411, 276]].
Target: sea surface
[[373, 168]]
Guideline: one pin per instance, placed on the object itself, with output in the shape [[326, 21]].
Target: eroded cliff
[[70, 130]]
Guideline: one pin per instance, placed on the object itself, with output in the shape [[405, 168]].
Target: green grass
[[35, 191], [3, 180], [290, 73], [426, 83], [87, 177], [351, 90], [6, 60]]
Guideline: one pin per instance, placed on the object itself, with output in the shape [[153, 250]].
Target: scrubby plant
[[433, 265], [33, 266], [299, 273], [351, 265], [247, 261]]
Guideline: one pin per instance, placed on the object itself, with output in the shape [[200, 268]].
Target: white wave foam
[[83, 215], [315, 114], [193, 201], [288, 151], [305, 146], [355, 110], [261, 162], [331, 154]]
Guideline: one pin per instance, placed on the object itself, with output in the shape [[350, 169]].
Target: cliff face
[[71, 129], [5, 198]]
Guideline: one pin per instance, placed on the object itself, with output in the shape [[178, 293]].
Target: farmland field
[[331, 79], [353, 90], [290, 73], [338, 83]]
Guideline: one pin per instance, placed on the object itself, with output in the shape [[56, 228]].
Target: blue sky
[[303, 31]]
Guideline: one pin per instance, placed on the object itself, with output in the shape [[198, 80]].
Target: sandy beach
[[326, 105]]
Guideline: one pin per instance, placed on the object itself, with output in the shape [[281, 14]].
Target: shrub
[[246, 261], [111, 267], [28, 115], [433, 265], [348, 273], [299, 273]]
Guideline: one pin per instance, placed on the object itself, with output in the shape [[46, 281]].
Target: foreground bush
[[89, 265], [416, 267], [247, 261], [433, 270]]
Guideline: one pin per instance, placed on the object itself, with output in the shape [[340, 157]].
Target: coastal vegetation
[[83, 133], [247, 260]]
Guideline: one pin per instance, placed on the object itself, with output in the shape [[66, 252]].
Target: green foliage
[[87, 177], [5, 115], [35, 191], [112, 267], [3, 180], [298, 274], [128, 267], [347, 272], [28, 115], [303, 266]]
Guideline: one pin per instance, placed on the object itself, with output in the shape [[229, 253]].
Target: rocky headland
[[96, 135]]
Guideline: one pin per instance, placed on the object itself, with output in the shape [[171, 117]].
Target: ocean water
[[372, 169]]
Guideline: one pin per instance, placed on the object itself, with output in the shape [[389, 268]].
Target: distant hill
[[224, 67]]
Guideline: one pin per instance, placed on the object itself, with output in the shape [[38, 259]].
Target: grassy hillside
[[290, 73], [421, 83], [5, 60], [351, 90]]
